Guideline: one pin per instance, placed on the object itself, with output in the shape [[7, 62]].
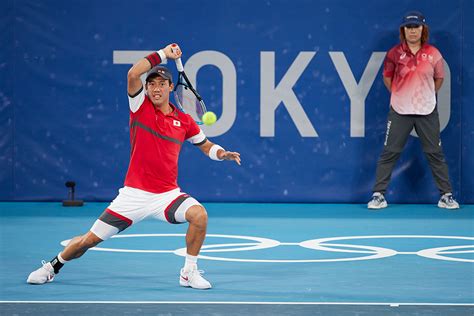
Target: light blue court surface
[[319, 259]]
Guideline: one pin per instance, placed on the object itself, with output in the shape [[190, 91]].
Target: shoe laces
[[200, 272], [196, 273], [448, 198], [378, 198], [44, 263]]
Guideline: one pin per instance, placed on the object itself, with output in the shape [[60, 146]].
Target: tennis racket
[[187, 98]]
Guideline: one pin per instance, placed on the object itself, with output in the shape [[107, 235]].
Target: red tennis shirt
[[413, 89], [156, 141]]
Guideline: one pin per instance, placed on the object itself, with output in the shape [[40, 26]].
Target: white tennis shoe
[[377, 202], [43, 275], [194, 279], [447, 201]]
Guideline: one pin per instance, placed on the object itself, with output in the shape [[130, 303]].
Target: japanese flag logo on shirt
[[176, 123]]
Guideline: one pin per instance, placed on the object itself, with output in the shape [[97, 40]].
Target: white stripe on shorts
[[103, 230]]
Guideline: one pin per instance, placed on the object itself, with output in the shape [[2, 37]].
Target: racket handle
[[179, 64]]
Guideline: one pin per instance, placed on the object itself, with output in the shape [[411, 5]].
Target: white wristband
[[213, 152], [162, 56]]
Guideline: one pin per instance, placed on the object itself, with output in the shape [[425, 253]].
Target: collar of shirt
[[173, 112], [406, 49]]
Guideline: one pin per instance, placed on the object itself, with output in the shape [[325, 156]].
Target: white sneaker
[[378, 201], [194, 279], [447, 201], [42, 275]]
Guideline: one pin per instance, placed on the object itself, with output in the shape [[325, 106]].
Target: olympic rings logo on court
[[320, 244]]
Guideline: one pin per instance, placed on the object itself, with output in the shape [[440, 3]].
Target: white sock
[[61, 259], [190, 263]]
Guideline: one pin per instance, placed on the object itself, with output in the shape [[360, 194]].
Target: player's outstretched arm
[[172, 51], [216, 152]]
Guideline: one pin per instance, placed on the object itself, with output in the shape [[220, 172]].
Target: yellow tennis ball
[[209, 118]]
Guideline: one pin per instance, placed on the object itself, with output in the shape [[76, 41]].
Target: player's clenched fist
[[172, 51]]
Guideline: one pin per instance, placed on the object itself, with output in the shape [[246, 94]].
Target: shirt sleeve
[[136, 100], [439, 69], [438, 63], [195, 135], [389, 64]]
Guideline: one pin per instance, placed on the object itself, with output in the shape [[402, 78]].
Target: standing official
[[413, 73]]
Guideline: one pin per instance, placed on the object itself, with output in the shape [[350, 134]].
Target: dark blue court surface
[[284, 259]]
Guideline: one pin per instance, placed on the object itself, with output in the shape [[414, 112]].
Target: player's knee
[[197, 215], [90, 240]]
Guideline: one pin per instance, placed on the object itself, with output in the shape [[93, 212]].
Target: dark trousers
[[398, 129]]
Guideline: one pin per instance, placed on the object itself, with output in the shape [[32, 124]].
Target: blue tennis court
[[261, 259]]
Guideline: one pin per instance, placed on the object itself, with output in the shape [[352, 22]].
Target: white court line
[[238, 303]]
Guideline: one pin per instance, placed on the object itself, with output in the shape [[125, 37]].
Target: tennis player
[[157, 132]]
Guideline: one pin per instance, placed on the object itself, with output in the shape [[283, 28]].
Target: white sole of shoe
[[184, 283], [372, 207], [444, 205], [39, 283], [197, 288]]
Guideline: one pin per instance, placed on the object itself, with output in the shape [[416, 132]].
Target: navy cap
[[161, 71], [413, 17]]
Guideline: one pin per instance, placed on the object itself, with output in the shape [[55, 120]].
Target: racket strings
[[189, 102], [188, 99]]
